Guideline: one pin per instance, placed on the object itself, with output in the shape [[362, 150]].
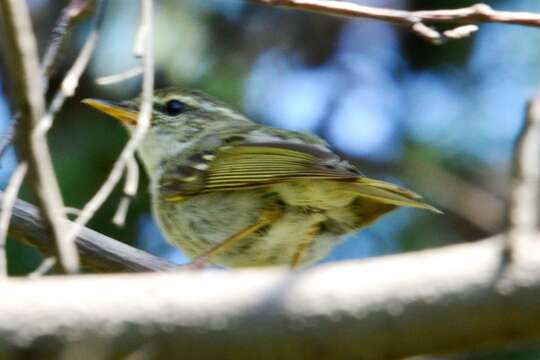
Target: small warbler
[[235, 193]]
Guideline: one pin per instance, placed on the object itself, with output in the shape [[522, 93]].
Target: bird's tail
[[389, 193]]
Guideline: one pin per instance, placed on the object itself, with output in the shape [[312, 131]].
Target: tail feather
[[390, 194]]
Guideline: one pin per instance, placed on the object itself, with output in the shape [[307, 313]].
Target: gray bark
[[98, 252], [452, 299]]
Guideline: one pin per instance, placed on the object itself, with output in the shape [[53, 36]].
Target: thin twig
[[460, 32], [138, 44], [71, 80], [21, 51], [428, 33], [143, 123], [130, 190], [116, 78], [132, 177], [12, 189], [71, 14], [119, 218], [46, 265], [479, 13], [476, 14], [523, 210], [7, 139]]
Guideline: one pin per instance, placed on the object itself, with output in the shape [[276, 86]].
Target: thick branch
[[21, 51], [460, 298], [98, 252]]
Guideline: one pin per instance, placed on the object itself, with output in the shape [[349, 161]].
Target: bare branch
[[428, 33], [132, 178], [46, 265], [12, 189], [383, 308], [21, 51], [119, 218], [523, 212], [116, 78], [141, 37], [71, 79], [143, 122], [98, 252], [7, 138], [130, 190], [74, 12], [71, 14], [476, 14], [460, 32]]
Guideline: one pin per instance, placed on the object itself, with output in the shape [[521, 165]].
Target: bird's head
[[179, 118], [173, 110]]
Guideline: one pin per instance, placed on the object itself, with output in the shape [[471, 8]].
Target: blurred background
[[440, 120]]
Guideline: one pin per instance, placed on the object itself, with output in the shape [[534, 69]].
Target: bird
[[234, 193]]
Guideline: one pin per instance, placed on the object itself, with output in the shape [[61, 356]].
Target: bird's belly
[[200, 223]]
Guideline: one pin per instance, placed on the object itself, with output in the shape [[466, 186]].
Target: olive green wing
[[251, 165]]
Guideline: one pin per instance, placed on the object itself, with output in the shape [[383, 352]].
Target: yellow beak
[[116, 110]]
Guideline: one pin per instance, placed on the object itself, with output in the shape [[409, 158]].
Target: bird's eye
[[174, 107]]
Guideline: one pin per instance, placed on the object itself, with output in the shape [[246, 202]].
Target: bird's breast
[[201, 222]]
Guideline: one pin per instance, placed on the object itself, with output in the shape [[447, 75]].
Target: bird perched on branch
[[232, 192]]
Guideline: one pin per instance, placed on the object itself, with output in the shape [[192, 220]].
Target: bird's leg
[[311, 234], [267, 217]]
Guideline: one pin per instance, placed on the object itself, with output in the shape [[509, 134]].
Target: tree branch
[[71, 79], [476, 14], [98, 252], [21, 52], [459, 297], [145, 49], [71, 14], [523, 209], [12, 190]]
